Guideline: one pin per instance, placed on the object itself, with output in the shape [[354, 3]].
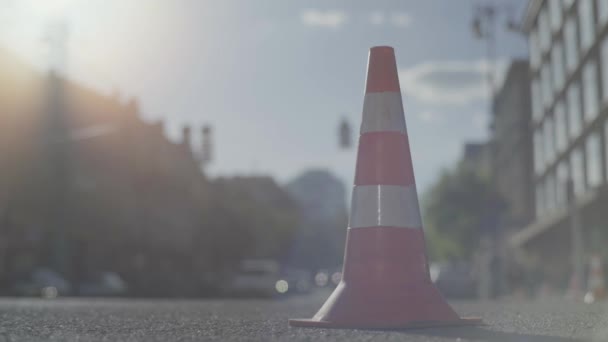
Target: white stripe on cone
[[383, 112], [385, 205]]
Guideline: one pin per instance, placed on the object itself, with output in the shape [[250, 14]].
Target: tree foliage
[[460, 207]]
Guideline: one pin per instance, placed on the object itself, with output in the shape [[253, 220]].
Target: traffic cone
[[385, 280], [596, 286]]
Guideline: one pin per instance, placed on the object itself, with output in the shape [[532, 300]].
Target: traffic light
[[344, 132]]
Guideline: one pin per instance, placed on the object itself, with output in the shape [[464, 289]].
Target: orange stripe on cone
[[385, 282]]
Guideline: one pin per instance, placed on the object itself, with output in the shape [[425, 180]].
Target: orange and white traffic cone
[[596, 285], [385, 280]]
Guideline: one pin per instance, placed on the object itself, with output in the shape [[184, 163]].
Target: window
[[537, 105], [594, 160], [606, 146], [602, 11], [578, 172], [538, 151], [604, 59], [585, 13], [561, 192], [545, 84], [540, 199], [550, 202], [544, 34], [590, 91], [557, 64], [555, 11], [574, 110], [561, 127], [535, 55], [549, 144], [570, 43]]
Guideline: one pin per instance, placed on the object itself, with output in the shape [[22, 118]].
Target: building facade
[[568, 45], [511, 146]]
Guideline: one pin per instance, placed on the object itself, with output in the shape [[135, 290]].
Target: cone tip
[[382, 48], [382, 70]]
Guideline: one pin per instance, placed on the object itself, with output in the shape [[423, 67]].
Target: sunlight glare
[[49, 9]]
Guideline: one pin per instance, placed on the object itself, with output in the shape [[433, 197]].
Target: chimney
[[206, 142]]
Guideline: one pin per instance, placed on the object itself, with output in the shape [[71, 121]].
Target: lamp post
[[484, 27]]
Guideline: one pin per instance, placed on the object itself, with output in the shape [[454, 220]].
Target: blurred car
[[336, 277], [103, 284], [42, 282], [454, 279], [257, 278], [322, 278], [299, 281]]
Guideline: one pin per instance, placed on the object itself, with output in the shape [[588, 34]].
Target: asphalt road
[[266, 320]]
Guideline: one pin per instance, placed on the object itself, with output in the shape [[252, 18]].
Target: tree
[[460, 208]]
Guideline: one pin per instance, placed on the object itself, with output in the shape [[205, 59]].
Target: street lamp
[[484, 27]]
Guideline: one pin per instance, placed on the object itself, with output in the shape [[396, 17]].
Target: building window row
[[535, 55], [571, 43], [555, 13], [604, 62], [536, 98], [585, 168], [561, 127], [590, 91], [594, 160], [587, 23], [545, 85], [602, 11], [577, 167], [606, 146], [557, 66], [549, 145], [544, 33], [574, 109]]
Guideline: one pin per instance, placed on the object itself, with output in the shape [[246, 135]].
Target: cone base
[[312, 323], [385, 285]]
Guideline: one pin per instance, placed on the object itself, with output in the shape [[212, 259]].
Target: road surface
[[266, 320]]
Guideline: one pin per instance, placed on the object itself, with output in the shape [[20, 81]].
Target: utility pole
[[57, 136], [484, 27]]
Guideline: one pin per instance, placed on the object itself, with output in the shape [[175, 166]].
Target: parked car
[[258, 278], [299, 281], [322, 278], [454, 279], [103, 284], [42, 282]]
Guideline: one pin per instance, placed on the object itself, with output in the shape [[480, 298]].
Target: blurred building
[[106, 181], [320, 236], [476, 156], [568, 45], [511, 146]]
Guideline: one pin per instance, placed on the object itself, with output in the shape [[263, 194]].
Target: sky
[[274, 77]]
